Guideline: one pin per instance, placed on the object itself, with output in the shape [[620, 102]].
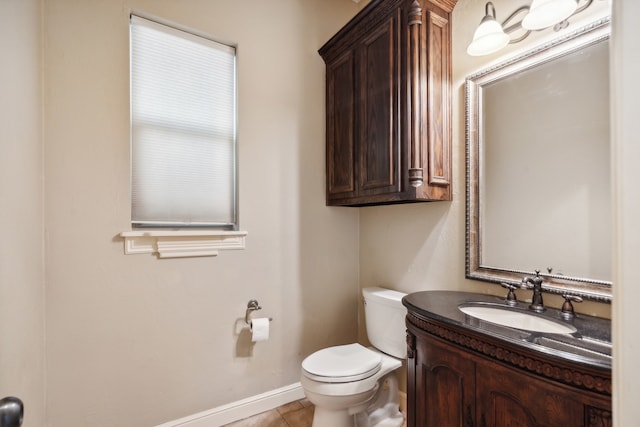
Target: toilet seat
[[342, 364]]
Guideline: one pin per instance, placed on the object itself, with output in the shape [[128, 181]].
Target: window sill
[[182, 243]]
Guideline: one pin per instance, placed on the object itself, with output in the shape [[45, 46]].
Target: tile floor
[[294, 414]]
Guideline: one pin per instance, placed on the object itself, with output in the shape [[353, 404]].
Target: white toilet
[[351, 385]]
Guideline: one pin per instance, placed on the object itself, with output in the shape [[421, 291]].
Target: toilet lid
[[343, 363]]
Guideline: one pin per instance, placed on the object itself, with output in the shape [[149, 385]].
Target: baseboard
[[240, 409]]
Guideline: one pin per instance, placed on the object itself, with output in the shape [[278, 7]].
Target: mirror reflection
[[538, 163]]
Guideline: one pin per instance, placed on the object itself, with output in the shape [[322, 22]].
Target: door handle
[[11, 412]]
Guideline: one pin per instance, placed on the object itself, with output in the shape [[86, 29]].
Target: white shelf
[[182, 243]]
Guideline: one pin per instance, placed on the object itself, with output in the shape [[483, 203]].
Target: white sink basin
[[517, 319]]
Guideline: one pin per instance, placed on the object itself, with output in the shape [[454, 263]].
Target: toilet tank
[[385, 320]]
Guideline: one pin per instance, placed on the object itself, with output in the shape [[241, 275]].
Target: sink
[[583, 339], [517, 319]]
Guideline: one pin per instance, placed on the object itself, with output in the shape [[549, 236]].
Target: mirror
[[538, 173]]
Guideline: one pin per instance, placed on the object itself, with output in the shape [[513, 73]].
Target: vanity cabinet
[[457, 377], [388, 104]]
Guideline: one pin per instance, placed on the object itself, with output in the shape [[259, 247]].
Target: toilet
[[352, 385]]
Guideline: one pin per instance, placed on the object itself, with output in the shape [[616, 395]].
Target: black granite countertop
[[590, 344]]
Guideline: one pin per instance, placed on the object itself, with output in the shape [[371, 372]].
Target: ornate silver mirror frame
[[554, 282]]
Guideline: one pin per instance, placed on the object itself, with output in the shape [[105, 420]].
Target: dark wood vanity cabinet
[[457, 378], [388, 104], [443, 392]]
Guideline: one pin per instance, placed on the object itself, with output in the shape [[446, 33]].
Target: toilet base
[[324, 417], [339, 412], [384, 410]]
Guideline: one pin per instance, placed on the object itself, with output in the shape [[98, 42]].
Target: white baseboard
[[240, 409]]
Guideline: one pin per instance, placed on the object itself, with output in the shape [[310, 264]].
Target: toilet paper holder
[[252, 306]]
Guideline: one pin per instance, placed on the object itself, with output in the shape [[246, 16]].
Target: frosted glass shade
[[488, 38], [545, 13]]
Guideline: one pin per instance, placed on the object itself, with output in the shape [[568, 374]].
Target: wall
[[625, 154], [21, 214], [422, 246], [136, 341]]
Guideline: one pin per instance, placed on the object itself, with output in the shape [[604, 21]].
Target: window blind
[[183, 128]]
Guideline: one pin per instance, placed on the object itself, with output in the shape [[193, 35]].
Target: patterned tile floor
[[294, 414]]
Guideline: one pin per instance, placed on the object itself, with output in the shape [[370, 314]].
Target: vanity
[[466, 371], [478, 360]]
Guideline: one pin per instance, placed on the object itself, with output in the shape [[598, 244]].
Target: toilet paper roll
[[260, 329]]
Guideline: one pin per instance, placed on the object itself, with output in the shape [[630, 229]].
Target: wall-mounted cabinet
[[388, 76]]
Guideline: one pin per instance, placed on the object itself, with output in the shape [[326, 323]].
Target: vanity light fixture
[[545, 13], [491, 36]]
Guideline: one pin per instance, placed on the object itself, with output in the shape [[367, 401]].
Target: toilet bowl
[[352, 385]]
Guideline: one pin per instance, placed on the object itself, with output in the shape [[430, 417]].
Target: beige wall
[[21, 214], [422, 246], [626, 207], [133, 340]]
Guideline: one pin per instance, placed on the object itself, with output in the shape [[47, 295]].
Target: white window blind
[[183, 128]]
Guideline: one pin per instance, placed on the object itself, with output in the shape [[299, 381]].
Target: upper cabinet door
[[437, 100], [378, 109], [341, 119]]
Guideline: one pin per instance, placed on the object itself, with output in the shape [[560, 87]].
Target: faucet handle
[[567, 312], [511, 299], [526, 283]]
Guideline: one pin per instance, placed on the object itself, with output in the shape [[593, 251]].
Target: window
[[183, 128]]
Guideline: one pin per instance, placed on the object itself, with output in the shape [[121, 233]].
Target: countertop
[[590, 345]]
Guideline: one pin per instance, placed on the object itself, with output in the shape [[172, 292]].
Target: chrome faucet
[[536, 283]]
